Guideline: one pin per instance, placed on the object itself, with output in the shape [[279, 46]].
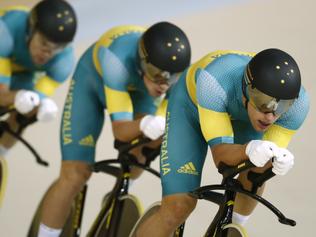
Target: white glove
[[47, 110], [25, 101], [282, 162], [153, 126], [260, 152]]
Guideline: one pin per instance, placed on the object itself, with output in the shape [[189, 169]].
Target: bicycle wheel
[[130, 213], [71, 227], [149, 212], [233, 230], [3, 178]]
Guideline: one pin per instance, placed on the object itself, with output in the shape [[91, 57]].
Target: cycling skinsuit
[[107, 77], [16, 67], [206, 108]]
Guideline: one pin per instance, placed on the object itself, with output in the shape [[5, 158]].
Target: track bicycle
[[5, 127], [119, 210], [221, 225]]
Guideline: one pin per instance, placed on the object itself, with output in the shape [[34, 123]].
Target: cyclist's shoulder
[[117, 49], [14, 9], [61, 65], [67, 55], [223, 67], [13, 23], [224, 56], [297, 113], [119, 32], [14, 15]]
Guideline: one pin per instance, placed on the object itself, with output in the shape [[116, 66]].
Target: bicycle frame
[[4, 127], [231, 187], [111, 212]]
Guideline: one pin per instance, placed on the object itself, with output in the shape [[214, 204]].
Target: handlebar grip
[[125, 147], [231, 171], [287, 221]]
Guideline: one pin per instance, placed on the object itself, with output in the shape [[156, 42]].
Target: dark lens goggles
[[265, 103], [152, 72]]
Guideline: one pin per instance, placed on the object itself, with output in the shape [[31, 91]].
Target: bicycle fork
[[222, 218], [78, 212]]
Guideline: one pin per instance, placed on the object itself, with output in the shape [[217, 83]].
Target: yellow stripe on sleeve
[[214, 124], [4, 10], [16, 8], [118, 101], [279, 135], [46, 85], [162, 109], [18, 68], [5, 67]]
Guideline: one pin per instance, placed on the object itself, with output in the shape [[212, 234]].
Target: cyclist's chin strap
[[245, 94]]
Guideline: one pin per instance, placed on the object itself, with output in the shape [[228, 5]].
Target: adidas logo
[[188, 168], [87, 141]]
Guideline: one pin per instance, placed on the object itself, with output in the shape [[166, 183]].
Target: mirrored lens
[[156, 75], [268, 104]]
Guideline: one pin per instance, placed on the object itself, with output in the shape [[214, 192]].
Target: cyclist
[[244, 106], [128, 72], [35, 58]]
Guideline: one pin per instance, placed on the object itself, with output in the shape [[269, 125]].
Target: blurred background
[[210, 25]]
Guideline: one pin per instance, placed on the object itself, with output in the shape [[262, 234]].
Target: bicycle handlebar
[[105, 166], [124, 158], [257, 179], [231, 171], [125, 147], [4, 126], [206, 191]]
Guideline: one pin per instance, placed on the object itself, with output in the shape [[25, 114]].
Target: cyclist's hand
[[47, 110], [153, 126], [282, 162], [260, 152], [25, 101]]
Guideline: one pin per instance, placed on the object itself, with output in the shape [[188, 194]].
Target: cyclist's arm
[[58, 70], [215, 121], [6, 47], [118, 100], [126, 130], [6, 96], [230, 154]]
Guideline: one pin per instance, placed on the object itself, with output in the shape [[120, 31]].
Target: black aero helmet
[[275, 73], [166, 47], [55, 19], [272, 81]]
